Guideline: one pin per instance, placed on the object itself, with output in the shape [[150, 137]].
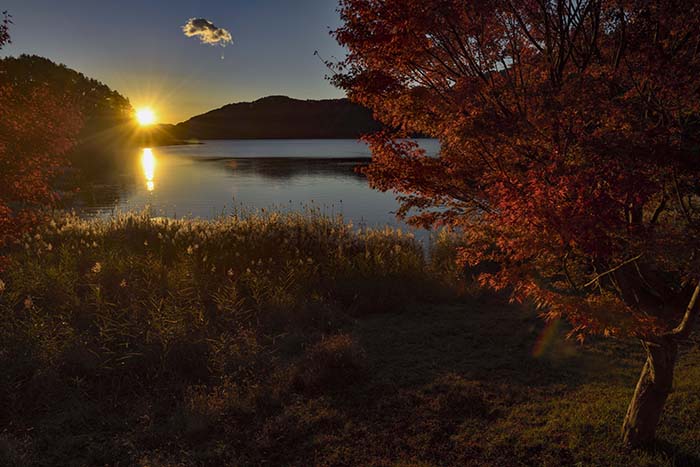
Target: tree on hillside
[[5, 29], [108, 123], [570, 134], [101, 107], [37, 126]]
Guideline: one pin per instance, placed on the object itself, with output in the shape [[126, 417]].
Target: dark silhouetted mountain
[[280, 117]]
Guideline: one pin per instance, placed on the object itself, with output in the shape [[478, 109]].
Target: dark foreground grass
[[292, 340]]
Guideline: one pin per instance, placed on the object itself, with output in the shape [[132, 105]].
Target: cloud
[[207, 32]]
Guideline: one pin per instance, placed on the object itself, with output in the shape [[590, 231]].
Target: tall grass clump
[[155, 317]]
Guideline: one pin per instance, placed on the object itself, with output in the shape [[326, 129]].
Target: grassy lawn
[[470, 392], [285, 340]]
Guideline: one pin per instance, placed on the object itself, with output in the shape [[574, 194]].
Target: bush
[[332, 363]]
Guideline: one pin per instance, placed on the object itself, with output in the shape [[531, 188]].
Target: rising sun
[[145, 116]]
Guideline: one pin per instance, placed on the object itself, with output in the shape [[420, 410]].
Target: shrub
[[332, 363]]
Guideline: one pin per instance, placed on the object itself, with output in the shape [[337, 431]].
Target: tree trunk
[[653, 388]]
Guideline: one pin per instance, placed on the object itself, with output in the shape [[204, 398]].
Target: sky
[[139, 49]]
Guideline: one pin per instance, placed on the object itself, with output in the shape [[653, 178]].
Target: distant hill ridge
[[281, 117], [108, 115]]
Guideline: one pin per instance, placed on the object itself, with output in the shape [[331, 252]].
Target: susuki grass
[[192, 318], [294, 339], [122, 296]]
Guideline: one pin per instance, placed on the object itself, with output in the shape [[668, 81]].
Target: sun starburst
[[145, 116]]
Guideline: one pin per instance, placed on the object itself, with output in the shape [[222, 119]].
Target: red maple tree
[[570, 136], [36, 128]]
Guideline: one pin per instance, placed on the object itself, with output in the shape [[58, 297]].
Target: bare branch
[[659, 209], [683, 330], [610, 271]]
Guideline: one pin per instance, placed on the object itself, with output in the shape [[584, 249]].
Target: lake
[[217, 177]]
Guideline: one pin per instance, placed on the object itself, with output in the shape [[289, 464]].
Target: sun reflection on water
[[148, 163]]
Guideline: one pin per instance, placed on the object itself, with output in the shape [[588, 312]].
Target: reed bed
[[194, 320]]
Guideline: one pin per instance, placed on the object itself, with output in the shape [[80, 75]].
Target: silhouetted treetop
[[100, 106]]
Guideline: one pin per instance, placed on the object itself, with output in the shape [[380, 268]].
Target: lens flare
[[546, 338]]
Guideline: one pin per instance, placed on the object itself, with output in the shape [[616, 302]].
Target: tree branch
[[659, 209], [683, 330], [610, 271], [685, 212]]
